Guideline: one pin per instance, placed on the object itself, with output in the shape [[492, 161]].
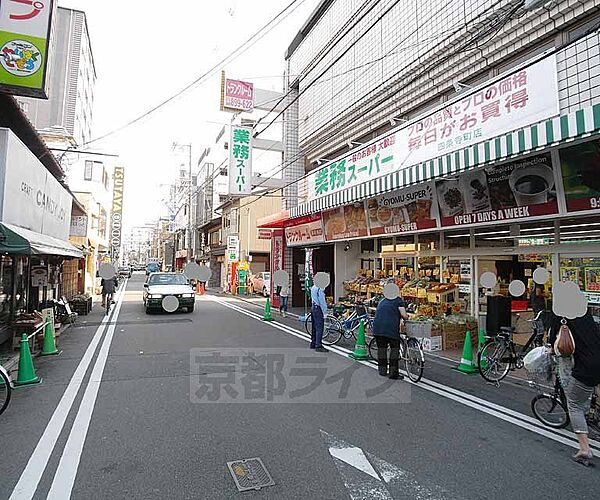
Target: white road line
[[524, 421], [66, 472], [30, 477]]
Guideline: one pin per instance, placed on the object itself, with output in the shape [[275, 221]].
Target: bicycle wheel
[[373, 349], [308, 323], [493, 360], [414, 360], [5, 391], [332, 330], [550, 411]]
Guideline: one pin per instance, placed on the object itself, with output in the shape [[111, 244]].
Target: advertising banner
[[116, 218], [264, 234], [592, 279], [236, 95], [25, 27], [515, 190], [581, 176], [308, 231], [345, 222], [402, 211], [240, 161], [512, 101], [78, 225]]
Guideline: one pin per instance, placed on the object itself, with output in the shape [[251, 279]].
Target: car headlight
[[188, 295], [155, 296]]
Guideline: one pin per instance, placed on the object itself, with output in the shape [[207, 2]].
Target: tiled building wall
[[402, 64]]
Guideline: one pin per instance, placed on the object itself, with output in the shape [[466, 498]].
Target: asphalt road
[[132, 417]]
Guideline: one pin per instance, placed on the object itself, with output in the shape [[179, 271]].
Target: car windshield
[[167, 279]]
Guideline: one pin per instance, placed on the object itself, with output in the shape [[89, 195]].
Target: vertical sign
[[277, 260], [240, 161], [233, 248], [25, 27], [117, 213]]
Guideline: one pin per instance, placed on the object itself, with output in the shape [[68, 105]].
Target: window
[[222, 198], [88, 171]]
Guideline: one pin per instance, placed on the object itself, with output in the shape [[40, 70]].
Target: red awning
[[273, 221]]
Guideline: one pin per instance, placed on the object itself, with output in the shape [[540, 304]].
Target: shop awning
[[17, 240], [273, 221], [578, 124]]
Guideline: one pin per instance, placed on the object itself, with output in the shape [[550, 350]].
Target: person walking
[[318, 312], [386, 330], [579, 374], [283, 300]]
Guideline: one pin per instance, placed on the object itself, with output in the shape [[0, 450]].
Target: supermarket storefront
[[495, 181]]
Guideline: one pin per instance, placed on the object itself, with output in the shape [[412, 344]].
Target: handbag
[[564, 345]]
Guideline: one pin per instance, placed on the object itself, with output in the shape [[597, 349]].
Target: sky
[[144, 52]]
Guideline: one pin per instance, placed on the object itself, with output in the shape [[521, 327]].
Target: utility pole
[[189, 218]]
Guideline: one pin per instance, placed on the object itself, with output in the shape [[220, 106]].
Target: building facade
[[72, 78], [434, 143]]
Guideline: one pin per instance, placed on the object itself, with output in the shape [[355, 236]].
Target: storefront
[[35, 218], [498, 181]]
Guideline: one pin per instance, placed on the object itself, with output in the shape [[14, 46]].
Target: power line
[[231, 56]]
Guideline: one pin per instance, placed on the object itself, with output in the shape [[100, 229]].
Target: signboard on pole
[[240, 161], [526, 96], [117, 212], [78, 225], [25, 27], [233, 248], [236, 95]]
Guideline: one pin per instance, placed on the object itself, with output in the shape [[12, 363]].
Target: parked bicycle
[[550, 408], [338, 326], [411, 352], [5, 389], [499, 354]]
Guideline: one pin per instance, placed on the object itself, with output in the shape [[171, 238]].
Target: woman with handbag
[[576, 342]]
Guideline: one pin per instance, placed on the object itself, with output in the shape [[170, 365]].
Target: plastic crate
[[432, 343], [419, 329]]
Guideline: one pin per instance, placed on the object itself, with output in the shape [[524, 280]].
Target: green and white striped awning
[[578, 124]]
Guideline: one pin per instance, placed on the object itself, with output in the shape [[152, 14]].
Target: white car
[[161, 285]]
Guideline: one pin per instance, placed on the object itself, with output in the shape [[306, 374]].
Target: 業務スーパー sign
[[402, 211], [25, 27], [526, 96], [240, 161]]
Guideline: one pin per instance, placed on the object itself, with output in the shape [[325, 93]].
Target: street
[[123, 413]]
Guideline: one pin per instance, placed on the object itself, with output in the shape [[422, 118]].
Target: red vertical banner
[[277, 260]]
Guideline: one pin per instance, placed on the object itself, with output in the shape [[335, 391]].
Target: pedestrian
[[386, 330], [538, 303], [109, 287], [579, 374], [318, 312], [283, 292]]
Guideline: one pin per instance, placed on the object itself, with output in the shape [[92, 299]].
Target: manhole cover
[[250, 474]]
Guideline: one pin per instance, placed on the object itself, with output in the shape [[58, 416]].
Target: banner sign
[[240, 161], [306, 233], [233, 248], [25, 27], [236, 95], [345, 222], [512, 101], [264, 234], [78, 225], [116, 218], [401, 211], [581, 176], [514, 190]]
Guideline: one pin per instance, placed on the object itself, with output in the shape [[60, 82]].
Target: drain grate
[[250, 474]]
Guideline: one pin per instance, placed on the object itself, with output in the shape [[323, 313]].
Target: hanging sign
[[25, 27], [240, 161], [236, 95], [117, 212]]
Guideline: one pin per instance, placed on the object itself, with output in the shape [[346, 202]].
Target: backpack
[[564, 344]]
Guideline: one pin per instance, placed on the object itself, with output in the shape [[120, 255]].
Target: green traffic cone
[[480, 342], [49, 346], [466, 361], [26, 374], [267, 314], [360, 349]]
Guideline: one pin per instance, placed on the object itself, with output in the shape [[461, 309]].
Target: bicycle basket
[[419, 329]]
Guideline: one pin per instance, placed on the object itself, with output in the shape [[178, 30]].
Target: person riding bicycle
[[579, 374], [109, 287], [386, 330]]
